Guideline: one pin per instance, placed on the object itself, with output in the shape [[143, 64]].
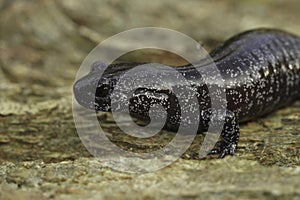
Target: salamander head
[[93, 91], [99, 92]]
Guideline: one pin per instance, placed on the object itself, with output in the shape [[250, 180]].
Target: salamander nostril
[[102, 91]]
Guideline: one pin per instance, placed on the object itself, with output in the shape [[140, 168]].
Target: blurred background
[[43, 39], [42, 44]]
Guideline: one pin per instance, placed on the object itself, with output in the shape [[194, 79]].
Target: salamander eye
[[102, 91], [98, 67]]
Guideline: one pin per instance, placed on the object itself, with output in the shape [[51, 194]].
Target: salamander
[[261, 73]]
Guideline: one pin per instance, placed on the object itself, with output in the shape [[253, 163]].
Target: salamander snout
[[93, 93]]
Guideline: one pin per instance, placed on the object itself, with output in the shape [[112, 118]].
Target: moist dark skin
[[261, 73]]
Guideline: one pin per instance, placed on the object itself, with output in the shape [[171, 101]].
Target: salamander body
[[260, 71]]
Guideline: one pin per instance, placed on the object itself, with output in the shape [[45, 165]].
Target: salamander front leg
[[227, 144]]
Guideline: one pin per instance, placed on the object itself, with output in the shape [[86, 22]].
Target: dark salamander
[[261, 73]]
